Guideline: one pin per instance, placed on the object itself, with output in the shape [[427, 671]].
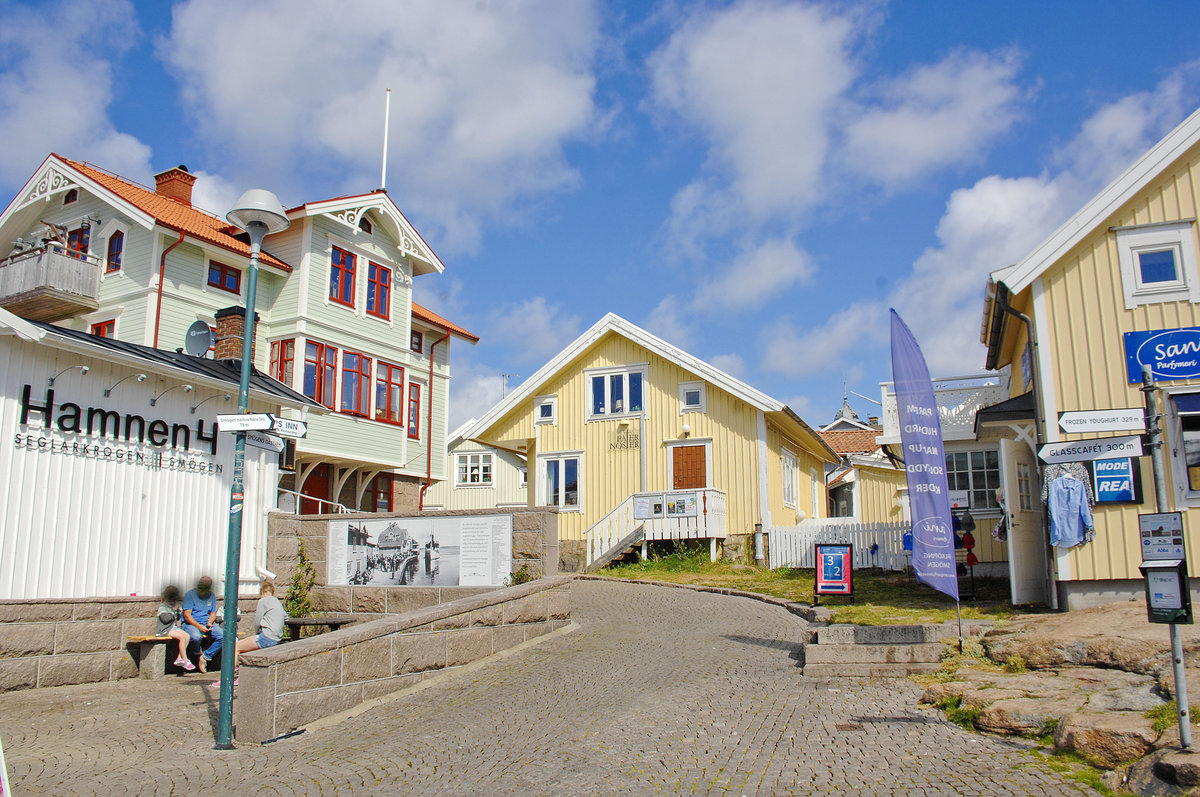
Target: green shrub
[[519, 576], [956, 712], [1014, 664], [299, 595]]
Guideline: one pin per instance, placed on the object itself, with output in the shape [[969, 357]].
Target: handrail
[[339, 509], [58, 249]]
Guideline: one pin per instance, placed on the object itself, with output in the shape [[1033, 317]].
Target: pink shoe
[[185, 664], [235, 680]]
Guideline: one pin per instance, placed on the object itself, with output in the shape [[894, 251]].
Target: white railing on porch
[[958, 399], [289, 502], [50, 266], [708, 522], [792, 546]]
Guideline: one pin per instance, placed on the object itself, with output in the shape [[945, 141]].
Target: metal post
[[233, 546], [1160, 500], [760, 558]]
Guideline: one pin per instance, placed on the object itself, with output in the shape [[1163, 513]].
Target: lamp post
[[259, 213]]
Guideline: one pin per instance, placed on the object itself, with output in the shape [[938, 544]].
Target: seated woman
[[269, 618], [168, 625]]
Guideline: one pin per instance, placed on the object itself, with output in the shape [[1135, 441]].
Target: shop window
[[379, 290], [975, 474], [691, 397], [226, 278], [283, 352], [356, 384], [1187, 413], [389, 393], [416, 341], [414, 411], [320, 373], [474, 470], [78, 241], [341, 276], [789, 478], [105, 329], [615, 392], [1158, 263], [545, 409], [116, 248], [560, 478]]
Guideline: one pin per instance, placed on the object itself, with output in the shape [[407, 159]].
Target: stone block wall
[[288, 686]]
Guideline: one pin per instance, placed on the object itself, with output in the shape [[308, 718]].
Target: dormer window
[[364, 224], [71, 196]]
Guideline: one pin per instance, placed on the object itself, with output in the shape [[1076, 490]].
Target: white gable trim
[[54, 177], [350, 210], [1083, 223], [614, 323]]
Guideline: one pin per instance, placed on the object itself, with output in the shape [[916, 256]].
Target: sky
[[755, 182]]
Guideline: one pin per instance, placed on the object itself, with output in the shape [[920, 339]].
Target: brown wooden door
[[316, 486], [688, 467]]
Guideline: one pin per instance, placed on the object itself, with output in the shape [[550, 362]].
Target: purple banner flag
[[924, 463]]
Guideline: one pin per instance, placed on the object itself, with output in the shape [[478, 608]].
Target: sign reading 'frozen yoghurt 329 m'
[[1170, 353]]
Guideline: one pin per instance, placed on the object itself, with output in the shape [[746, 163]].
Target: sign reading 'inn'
[[1170, 353]]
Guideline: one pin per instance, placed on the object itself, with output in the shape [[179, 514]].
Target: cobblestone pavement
[[660, 691]]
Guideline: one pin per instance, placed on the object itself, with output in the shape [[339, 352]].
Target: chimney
[[231, 324], [175, 183]]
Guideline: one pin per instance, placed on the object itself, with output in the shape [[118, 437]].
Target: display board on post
[[835, 571]]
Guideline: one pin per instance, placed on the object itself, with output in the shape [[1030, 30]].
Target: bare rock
[[1024, 716], [1134, 698], [1142, 779], [1106, 740], [1180, 767]]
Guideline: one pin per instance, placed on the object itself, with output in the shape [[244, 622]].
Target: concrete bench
[[151, 662]]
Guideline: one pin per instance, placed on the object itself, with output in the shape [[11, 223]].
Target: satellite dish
[[199, 339]]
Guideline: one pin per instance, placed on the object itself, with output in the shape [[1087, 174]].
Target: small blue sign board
[[1114, 480], [1170, 353], [834, 569]]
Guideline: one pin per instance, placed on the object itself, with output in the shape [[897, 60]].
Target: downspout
[[429, 426], [1002, 294], [162, 271]]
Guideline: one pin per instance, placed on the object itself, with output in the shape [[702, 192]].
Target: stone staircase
[[881, 651]]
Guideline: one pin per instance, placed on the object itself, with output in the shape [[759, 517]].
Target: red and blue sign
[[1170, 353], [834, 571], [1114, 480]]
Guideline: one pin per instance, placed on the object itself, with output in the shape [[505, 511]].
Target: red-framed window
[[414, 411], [341, 276], [105, 329], [227, 278], [77, 242], [320, 373], [379, 290], [116, 248], [417, 341], [389, 393], [356, 384], [283, 353]]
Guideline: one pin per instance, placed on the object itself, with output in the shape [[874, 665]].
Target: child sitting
[[168, 625]]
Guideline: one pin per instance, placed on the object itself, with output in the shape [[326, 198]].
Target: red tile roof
[[851, 441], [174, 214], [429, 317]]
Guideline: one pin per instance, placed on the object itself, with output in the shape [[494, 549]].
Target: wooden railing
[[51, 266], [671, 515]]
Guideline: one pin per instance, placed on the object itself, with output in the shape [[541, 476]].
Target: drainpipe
[[162, 269], [1034, 365], [429, 445]]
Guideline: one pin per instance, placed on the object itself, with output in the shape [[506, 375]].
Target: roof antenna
[[387, 113]]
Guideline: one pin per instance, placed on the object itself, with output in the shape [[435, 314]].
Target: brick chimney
[[231, 324], [175, 183]]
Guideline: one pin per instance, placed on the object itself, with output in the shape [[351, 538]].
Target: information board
[[1161, 536], [834, 569]]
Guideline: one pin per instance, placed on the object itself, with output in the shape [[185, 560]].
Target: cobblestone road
[[660, 691]]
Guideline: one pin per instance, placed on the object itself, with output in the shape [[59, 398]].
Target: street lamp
[[259, 213]]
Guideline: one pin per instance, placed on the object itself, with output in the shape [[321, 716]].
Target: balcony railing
[[958, 399], [49, 283]]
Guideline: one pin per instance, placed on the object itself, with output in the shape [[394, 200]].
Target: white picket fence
[[792, 546]]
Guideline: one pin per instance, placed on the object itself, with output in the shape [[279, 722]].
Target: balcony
[[958, 399], [49, 283]]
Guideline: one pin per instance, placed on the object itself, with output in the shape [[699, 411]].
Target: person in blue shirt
[[200, 618]]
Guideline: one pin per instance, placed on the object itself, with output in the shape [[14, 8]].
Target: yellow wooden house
[[634, 440], [1113, 289]]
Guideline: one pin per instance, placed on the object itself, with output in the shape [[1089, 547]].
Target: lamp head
[[258, 206]]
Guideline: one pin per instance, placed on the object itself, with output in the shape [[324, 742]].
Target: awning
[[1187, 403], [1018, 408]]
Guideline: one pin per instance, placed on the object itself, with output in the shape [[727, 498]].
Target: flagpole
[[958, 611]]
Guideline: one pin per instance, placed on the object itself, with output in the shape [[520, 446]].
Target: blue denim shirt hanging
[[1070, 512]]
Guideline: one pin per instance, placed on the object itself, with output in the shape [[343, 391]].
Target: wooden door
[[316, 486], [688, 468], [1028, 563]]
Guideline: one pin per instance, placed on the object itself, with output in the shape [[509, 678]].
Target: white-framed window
[[975, 473], [816, 484], [1024, 486], [788, 476], [1158, 263], [560, 479], [474, 470], [545, 409], [691, 397], [615, 392], [1184, 446], [524, 471]]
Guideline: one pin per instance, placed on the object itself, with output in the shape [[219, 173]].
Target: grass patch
[[956, 712], [880, 597], [1166, 716], [1073, 767]]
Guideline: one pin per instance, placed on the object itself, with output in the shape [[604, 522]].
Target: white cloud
[[732, 364], [474, 389], [535, 329], [824, 349], [484, 97], [773, 267], [671, 320], [936, 115], [214, 193], [56, 86]]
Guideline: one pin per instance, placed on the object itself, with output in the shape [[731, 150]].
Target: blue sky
[[756, 182]]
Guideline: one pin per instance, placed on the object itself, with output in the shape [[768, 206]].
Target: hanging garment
[[1073, 469], [1070, 515]]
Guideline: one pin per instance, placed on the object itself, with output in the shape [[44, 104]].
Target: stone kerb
[[285, 687]]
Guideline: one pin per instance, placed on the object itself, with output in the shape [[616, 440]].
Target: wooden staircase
[[623, 546]]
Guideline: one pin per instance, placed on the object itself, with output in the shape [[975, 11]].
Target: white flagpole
[[387, 113]]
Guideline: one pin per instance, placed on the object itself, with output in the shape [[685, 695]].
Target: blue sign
[[834, 570], [1114, 480], [1170, 353]]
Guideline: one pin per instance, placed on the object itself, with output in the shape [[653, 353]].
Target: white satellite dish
[[199, 339]]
